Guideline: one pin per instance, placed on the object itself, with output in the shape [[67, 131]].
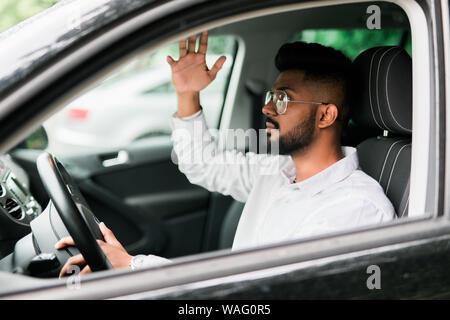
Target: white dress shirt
[[339, 198]]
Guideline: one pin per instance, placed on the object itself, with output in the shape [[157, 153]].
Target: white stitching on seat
[[393, 166], [407, 200], [404, 209], [378, 99], [387, 97], [370, 91], [386, 157]]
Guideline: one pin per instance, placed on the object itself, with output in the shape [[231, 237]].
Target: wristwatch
[[137, 261]]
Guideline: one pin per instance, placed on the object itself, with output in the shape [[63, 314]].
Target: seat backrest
[[388, 160], [381, 98], [229, 224]]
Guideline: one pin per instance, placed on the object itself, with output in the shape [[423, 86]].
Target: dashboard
[[15, 197]]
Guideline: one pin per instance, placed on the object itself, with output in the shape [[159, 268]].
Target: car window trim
[[445, 14], [262, 262]]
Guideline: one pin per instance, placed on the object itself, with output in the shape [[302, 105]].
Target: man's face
[[296, 126]]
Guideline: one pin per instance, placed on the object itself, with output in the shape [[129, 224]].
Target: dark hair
[[320, 64]]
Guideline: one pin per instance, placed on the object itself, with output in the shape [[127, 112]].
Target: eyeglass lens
[[279, 99]]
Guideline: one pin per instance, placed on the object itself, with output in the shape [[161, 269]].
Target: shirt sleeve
[[344, 215], [229, 172], [153, 261]]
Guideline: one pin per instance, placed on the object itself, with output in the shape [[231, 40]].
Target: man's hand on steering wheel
[[113, 249]]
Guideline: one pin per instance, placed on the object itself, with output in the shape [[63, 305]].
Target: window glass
[[353, 41], [136, 102]]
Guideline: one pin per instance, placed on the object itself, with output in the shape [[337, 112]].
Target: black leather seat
[[229, 224], [381, 98]]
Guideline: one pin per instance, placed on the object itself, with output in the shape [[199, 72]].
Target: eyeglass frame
[[286, 100]]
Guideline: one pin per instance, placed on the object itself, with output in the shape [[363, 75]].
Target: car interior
[[151, 207]]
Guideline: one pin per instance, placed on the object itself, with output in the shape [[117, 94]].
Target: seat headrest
[[381, 90]]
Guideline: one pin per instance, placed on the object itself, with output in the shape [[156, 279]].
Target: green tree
[[15, 11], [353, 41]]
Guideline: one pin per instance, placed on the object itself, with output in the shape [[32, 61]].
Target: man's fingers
[[101, 244], [64, 242], [182, 47], [108, 234], [170, 60], [216, 67], [86, 270], [75, 260], [191, 44], [203, 42]]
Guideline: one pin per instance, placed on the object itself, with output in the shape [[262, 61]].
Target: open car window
[[120, 122], [134, 103]]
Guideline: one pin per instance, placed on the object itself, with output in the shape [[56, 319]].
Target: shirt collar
[[336, 172]]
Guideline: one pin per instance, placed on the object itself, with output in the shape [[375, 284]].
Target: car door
[[408, 249], [145, 197]]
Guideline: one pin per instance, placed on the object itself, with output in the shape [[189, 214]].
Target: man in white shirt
[[312, 187]]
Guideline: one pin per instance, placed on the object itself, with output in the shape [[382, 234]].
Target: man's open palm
[[190, 73]]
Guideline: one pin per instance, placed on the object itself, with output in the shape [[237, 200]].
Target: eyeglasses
[[280, 99]]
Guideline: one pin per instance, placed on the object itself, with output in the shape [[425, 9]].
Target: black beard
[[298, 138]]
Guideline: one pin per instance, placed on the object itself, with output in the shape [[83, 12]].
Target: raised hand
[[190, 73]]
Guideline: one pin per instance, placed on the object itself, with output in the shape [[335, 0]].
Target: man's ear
[[328, 115]]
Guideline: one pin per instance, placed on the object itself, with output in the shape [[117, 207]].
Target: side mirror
[[38, 140]]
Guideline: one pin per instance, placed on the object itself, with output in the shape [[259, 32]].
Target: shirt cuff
[[187, 123], [153, 260], [149, 261], [192, 116]]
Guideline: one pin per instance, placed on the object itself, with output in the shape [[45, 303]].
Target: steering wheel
[[74, 211]]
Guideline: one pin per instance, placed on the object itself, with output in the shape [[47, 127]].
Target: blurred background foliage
[[353, 41], [14, 11]]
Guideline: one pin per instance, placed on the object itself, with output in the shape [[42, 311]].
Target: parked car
[[152, 207], [140, 102]]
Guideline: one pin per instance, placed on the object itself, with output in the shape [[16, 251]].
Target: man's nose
[[269, 109]]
